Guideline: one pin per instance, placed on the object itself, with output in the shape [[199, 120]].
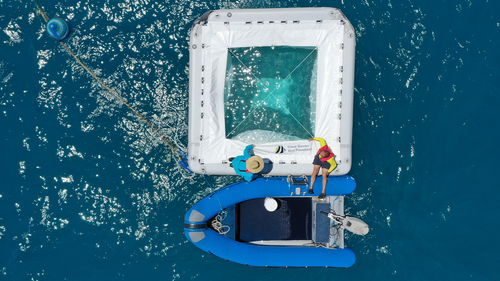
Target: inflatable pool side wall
[[199, 136]]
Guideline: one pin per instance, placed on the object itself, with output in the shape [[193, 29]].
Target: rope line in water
[[165, 139], [213, 191]]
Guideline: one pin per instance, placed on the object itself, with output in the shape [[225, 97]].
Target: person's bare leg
[[325, 178], [313, 176]]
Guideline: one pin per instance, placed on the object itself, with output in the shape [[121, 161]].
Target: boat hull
[[269, 256], [199, 234]]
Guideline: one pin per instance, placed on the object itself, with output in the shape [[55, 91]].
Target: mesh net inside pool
[[270, 94]]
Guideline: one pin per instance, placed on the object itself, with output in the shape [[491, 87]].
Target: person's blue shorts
[[317, 161]]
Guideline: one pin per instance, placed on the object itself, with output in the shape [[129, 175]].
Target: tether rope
[[177, 151]]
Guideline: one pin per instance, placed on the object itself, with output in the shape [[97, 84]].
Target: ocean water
[[88, 192], [270, 88]]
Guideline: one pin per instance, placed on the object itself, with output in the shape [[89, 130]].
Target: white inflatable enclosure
[[216, 32]]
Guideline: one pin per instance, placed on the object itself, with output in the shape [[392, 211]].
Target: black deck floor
[[291, 221]]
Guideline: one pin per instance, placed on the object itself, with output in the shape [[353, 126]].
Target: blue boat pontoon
[[295, 234]]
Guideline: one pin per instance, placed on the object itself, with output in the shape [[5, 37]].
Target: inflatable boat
[[274, 222], [274, 78]]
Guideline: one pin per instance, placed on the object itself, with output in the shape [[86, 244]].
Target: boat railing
[[298, 183]]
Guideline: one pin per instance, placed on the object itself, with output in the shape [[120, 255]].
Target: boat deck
[[291, 221], [297, 221]]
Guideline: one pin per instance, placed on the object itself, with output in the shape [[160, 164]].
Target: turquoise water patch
[[271, 89], [276, 100]]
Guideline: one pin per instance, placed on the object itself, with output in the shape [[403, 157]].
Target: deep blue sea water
[[87, 191]]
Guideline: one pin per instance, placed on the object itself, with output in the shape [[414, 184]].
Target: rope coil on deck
[[221, 216]]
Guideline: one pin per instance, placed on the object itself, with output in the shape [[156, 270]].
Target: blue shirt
[[240, 165]]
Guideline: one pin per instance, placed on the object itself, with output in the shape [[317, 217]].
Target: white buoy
[[270, 204]]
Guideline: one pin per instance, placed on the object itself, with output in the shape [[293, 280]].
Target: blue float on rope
[[58, 29], [185, 165], [184, 161]]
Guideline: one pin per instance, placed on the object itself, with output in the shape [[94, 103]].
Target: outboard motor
[[352, 224]]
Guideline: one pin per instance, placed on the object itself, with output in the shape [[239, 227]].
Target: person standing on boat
[[247, 165], [325, 159]]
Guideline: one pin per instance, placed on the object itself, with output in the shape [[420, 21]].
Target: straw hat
[[255, 164]]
